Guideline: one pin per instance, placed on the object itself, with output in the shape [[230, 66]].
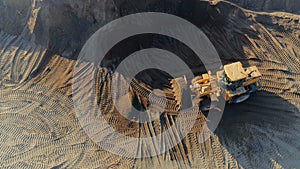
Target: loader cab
[[238, 82], [234, 76]]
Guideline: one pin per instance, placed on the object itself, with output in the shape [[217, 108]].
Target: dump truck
[[234, 83]]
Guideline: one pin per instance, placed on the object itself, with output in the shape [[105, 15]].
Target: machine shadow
[[261, 129]]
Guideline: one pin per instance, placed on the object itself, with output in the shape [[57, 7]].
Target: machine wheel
[[240, 99], [252, 88]]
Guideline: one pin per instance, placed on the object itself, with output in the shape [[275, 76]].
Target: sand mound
[[290, 6], [39, 128]]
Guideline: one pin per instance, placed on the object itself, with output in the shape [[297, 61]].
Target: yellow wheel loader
[[235, 83], [238, 82]]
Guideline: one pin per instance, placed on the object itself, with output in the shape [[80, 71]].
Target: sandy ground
[[39, 128]]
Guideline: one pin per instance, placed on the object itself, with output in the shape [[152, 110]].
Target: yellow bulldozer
[[235, 83]]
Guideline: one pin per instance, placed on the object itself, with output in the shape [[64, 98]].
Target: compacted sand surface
[[39, 45]]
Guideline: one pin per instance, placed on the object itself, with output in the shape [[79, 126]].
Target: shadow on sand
[[262, 129]]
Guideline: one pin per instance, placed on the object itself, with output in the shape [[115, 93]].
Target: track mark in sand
[[279, 66], [33, 15], [53, 131], [19, 59], [50, 124]]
